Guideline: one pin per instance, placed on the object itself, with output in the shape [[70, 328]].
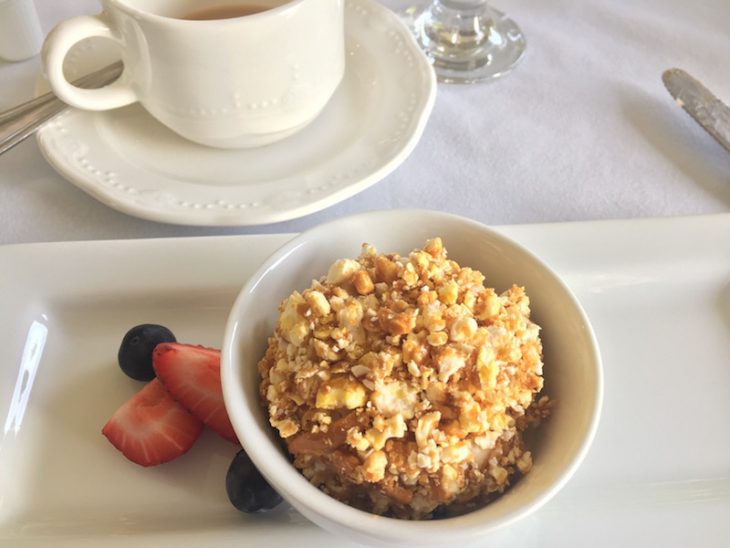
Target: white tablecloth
[[582, 129]]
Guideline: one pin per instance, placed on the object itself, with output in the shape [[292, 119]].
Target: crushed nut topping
[[402, 385]]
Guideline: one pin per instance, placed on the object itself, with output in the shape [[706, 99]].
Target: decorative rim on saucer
[[131, 163]]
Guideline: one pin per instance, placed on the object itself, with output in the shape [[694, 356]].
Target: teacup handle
[[58, 43]]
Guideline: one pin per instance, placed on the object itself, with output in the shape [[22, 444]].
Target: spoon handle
[[18, 123]]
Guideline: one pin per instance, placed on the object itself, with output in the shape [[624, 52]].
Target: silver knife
[[699, 102]]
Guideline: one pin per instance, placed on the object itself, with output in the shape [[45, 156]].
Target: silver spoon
[[20, 122]]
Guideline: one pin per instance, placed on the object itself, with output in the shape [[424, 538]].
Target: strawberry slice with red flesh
[[192, 375], [151, 427]]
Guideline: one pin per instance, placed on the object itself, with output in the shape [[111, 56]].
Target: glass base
[[468, 47]]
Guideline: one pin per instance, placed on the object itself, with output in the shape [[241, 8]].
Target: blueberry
[[246, 487], [135, 353]]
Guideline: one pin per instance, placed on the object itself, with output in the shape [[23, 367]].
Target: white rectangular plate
[[657, 293]]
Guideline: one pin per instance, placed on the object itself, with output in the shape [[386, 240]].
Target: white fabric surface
[[582, 129]]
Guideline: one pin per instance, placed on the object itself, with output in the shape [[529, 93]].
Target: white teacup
[[230, 82]]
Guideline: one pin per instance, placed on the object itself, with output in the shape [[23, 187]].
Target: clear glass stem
[[459, 25], [462, 4], [467, 41]]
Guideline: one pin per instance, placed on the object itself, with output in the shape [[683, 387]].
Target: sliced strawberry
[[192, 375], [151, 427]]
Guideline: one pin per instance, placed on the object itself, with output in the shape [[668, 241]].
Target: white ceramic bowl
[[573, 376]]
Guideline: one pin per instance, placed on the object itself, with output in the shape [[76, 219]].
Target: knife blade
[[699, 102]]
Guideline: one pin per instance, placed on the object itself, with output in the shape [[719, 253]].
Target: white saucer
[[132, 163]]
